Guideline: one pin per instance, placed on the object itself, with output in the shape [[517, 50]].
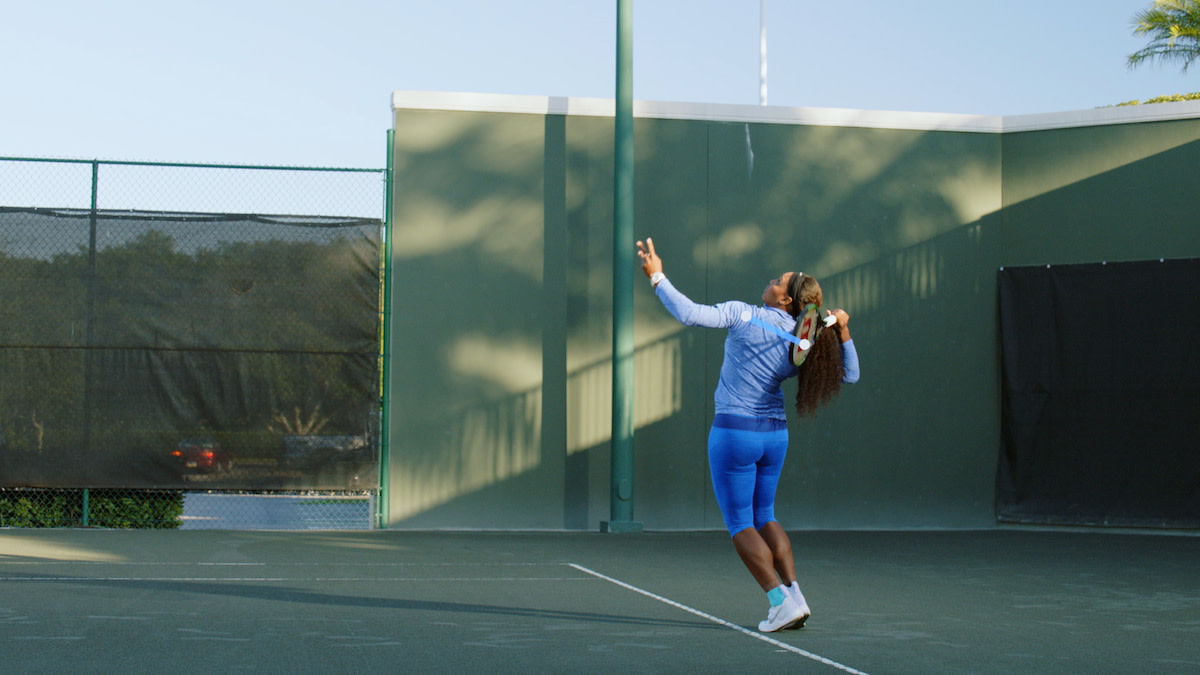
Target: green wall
[[500, 328], [1090, 194]]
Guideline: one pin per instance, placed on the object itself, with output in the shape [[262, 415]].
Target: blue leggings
[[745, 456]]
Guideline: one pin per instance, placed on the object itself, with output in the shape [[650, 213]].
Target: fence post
[[89, 328], [381, 512]]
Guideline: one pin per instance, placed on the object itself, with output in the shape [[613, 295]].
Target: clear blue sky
[[304, 82]]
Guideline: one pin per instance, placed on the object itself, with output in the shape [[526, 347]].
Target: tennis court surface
[[997, 601]]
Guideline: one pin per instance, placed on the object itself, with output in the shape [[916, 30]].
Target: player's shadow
[[294, 595]]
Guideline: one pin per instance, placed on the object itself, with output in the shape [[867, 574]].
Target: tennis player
[[748, 439]]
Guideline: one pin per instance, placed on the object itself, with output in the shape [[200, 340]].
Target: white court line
[[720, 621]]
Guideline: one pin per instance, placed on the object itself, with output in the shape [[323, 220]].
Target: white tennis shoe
[[797, 597], [782, 616]]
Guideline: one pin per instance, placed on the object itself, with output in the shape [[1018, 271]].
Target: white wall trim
[[835, 117], [1130, 114]]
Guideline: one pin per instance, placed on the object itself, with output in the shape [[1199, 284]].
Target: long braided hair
[[820, 376]]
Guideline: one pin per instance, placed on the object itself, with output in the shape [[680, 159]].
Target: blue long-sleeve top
[[756, 360]]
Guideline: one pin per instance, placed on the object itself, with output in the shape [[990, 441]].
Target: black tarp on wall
[[1101, 400]]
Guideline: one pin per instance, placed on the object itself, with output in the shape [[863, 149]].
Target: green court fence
[[179, 338]]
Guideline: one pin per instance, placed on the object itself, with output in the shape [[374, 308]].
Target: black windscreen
[[1101, 399], [150, 349]]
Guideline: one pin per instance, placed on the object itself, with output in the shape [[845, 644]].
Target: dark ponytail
[[820, 376]]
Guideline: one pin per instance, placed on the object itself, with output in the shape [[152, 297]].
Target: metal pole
[[90, 318], [623, 271], [385, 388], [762, 52]]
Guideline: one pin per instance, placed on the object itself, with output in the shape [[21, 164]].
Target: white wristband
[[655, 278]]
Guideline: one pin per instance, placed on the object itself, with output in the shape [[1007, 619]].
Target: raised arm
[[679, 305], [849, 352]]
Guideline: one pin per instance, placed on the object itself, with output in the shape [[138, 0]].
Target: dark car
[[202, 455]]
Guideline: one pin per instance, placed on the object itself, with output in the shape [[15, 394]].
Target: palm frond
[[1174, 29]]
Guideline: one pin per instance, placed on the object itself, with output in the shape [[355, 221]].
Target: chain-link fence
[[176, 340]]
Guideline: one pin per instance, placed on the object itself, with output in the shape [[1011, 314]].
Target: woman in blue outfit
[[748, 439]]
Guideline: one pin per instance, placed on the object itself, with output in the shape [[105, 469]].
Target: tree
[[1174, 30]]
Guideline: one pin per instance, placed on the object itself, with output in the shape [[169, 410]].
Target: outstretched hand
[[651, 263]]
